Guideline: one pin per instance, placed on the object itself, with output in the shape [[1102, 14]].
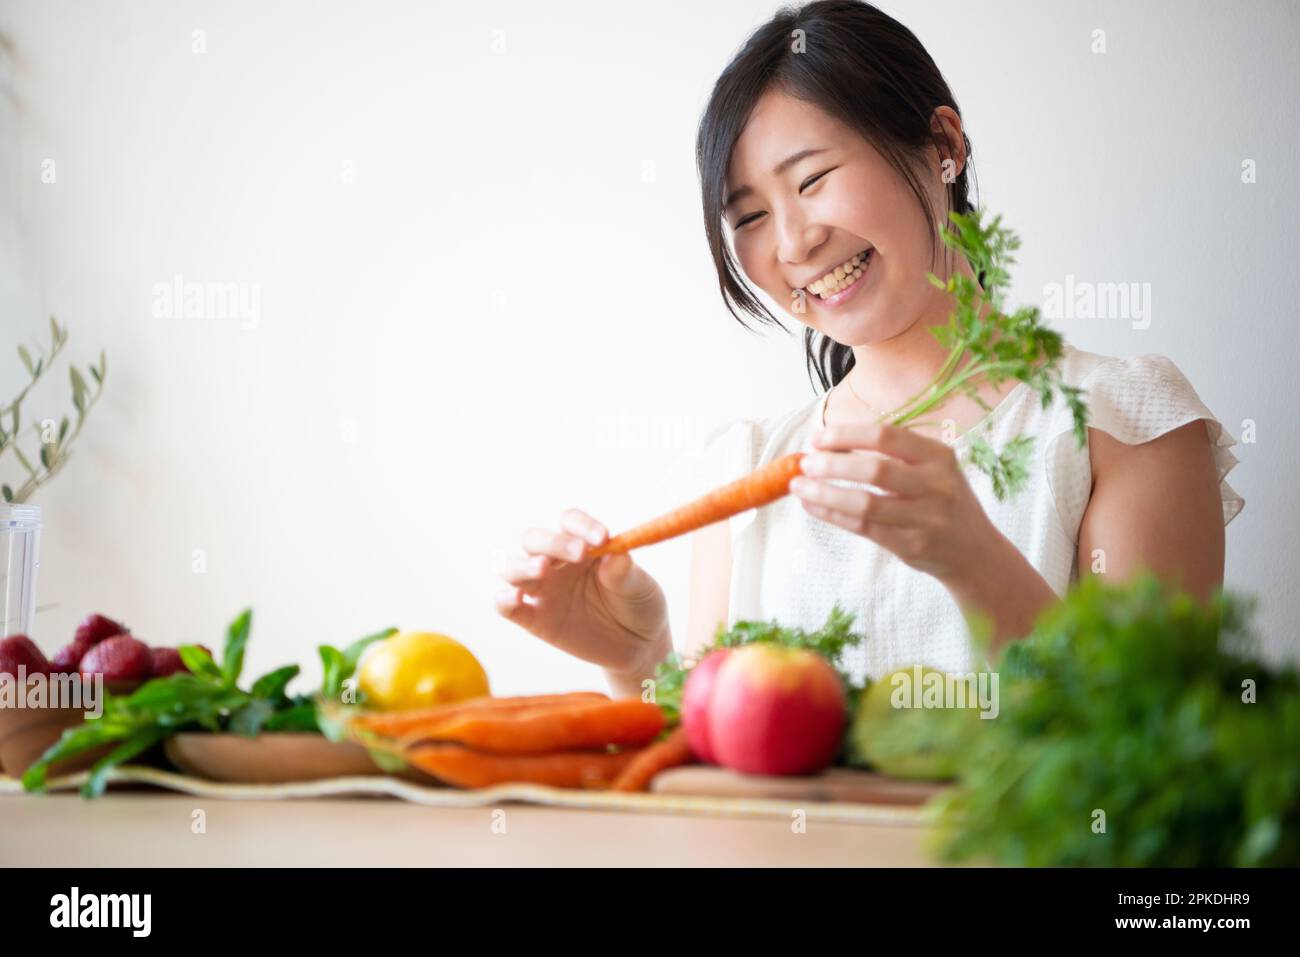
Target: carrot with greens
[[673, 751], [466, 768], [760, 487], [397, 724], [568, 727]]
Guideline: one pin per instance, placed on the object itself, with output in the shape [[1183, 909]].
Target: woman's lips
[[844, 295]]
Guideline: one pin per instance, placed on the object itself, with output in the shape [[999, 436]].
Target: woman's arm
[[1155, 506]]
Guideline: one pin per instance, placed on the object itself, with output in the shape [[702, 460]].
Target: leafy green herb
[[55, 447], [993, 348], [209, 698], [830, 641], [1137, 727]]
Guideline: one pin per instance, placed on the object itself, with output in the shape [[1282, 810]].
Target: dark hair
[[862, 67]]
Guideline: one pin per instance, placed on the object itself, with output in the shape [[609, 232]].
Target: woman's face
[[799, 221]]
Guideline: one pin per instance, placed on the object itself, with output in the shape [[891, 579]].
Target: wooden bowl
[[26, 733], [269, 758]]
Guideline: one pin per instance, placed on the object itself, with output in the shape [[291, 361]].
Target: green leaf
[[236, 641], [138, 743], [8, 493], [63, 430], [342, 665], [24, 460], [27, 360], [72, 742], [248, 720], [352, 654], [299, 717], [200, 662], [271, 685], [334, 664], [78, 383]]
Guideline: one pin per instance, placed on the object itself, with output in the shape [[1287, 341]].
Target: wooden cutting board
[[835, 784]]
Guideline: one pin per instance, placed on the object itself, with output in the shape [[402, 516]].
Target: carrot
[[396, 724], [625, 721], [671, 752], [759, 487], [466, 768]]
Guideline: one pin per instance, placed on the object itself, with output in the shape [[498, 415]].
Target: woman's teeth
[[841, 277]]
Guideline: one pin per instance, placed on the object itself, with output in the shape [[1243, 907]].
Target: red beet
[[19, 650], [96, 628], [120, 658], [164, 662]]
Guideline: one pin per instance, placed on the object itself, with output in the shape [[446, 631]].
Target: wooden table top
[[151, 828]]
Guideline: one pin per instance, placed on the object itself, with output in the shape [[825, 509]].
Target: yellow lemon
[[418, 669]]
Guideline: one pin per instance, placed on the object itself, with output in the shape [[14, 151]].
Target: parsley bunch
[[992, 347], [1138, 727]]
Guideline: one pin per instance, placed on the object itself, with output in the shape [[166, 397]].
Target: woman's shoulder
[[1134, 399], [1149, 371]]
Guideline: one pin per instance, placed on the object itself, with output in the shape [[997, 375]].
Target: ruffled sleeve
[[1135, 399]]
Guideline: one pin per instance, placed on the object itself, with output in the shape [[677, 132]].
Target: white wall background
[[485, 294]]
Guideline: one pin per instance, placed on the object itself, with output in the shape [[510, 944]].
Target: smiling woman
[[831, 154]]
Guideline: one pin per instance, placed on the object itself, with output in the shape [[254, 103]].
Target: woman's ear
[[945, 124]]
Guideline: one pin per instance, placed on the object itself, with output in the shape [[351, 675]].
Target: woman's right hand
[[606, 610]]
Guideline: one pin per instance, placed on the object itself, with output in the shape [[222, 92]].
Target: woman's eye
[[808, 182]]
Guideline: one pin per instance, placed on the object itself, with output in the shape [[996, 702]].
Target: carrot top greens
[[987, 344]]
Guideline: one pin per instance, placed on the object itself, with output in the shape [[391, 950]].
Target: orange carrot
[[671, 752], [466, 768], [396, 724], [595, 724], [760, 487]]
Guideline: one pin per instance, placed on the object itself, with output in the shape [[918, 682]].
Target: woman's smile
[[842, 284]]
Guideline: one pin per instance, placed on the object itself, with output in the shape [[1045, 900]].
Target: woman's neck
[[887, 373]]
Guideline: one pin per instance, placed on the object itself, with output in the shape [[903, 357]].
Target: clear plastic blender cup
[[20, 559]]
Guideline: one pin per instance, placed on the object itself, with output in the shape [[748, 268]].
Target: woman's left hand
[[929, 516]]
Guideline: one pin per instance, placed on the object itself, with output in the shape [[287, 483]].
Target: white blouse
[[790, 566]]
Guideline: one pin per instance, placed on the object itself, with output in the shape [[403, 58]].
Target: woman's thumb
[[615, 570]]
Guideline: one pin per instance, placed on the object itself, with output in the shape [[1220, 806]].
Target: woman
[[830, 154]]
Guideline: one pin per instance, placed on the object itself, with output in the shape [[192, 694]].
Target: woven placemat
[[380, 786]]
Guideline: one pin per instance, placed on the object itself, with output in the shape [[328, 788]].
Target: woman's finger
[[860, 465], [564, 546], [510, 604], [526, 572], [890, 439], [855, 505], [892, 538], [578, 522]]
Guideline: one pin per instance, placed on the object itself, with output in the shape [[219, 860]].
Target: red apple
[[776, 710], [120, 658], [19, 650], [696, 694]]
